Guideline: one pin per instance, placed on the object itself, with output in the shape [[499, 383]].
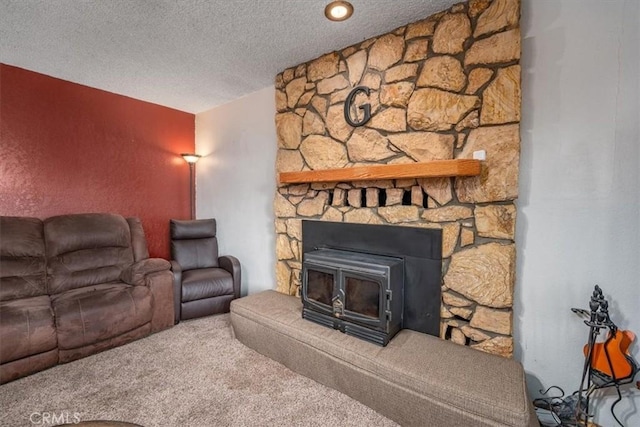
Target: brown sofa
[[74, 285]]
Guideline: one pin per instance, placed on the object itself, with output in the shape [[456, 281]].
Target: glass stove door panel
[[320, 286], [362, 296]]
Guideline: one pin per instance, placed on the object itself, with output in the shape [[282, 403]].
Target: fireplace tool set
[[607, 364]]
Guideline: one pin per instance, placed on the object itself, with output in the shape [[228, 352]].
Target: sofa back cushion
[[86, 249], [194, 243], [22, 258]]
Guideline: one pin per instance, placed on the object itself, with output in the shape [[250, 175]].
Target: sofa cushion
[[22, 258], [195, 253], [27, 327], [205, 283], [194, 243], [185, 229], [86, 249], [87, 315]]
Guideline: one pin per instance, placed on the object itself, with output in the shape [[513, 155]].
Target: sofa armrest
[[232, 265], [177, 289], [138, 271]]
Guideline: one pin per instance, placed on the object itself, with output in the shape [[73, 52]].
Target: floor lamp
[[192, 159]]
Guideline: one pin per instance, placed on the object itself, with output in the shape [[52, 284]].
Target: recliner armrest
[[232, 265], [177, 289], [137, 272]]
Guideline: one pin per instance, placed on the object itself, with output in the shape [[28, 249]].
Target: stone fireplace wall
[[441, 88]]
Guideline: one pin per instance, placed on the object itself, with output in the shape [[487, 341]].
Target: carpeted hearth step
[[416, 380]]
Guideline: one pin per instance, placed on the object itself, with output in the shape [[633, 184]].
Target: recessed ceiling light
[[338, 10]]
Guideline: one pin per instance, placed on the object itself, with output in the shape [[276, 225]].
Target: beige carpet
[[195, 374]]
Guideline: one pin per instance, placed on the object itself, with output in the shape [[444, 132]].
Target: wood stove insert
[[370, 281]]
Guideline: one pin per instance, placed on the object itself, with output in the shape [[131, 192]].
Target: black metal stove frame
[[420, 250]]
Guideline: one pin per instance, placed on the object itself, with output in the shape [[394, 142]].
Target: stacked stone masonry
[[441, 88]]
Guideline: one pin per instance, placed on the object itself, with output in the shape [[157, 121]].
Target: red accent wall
[[68, 148]]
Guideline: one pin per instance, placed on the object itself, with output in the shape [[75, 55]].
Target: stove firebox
[[354, 292], [370, 281]]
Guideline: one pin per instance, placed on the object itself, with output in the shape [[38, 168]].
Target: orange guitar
[[618, 349]]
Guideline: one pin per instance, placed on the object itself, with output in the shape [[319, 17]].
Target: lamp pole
[[192, 189], [192, 159]]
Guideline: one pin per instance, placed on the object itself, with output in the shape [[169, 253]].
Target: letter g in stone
[[366, 108]]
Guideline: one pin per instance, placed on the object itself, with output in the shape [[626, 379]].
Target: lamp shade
[[190, 157]]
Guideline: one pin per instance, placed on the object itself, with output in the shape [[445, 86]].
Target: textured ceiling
[[186, 54]]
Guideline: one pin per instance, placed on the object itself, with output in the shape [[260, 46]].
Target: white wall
[[236, 182], [579, 205], [579, 215]]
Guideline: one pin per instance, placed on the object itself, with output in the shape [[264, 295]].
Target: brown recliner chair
[[204, 283]]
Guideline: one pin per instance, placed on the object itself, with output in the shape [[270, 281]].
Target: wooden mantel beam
[[432, 169]]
